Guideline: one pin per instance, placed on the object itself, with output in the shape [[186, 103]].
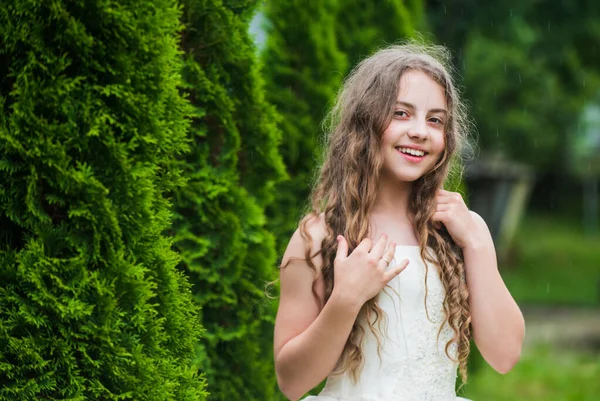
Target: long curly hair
[[345, 188]]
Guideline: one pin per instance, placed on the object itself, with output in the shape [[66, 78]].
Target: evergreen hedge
[[364, 26], [220, 224], [92, 305], [304, 68]]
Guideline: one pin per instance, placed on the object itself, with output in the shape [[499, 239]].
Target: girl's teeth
[[412, 152]]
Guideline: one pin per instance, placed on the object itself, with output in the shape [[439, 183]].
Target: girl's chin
[[405, 174], [409, 177], [397, 179]]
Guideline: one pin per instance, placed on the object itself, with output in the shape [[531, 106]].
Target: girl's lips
[[411, 158]]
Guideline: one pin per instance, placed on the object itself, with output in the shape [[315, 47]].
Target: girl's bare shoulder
[[311, 231]]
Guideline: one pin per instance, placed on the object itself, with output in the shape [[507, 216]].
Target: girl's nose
[[418, 130]]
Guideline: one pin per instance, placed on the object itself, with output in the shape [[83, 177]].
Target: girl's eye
[[436, 120], [401, 113]]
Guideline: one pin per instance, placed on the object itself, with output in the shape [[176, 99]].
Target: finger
[[389, 253], [437, 225], [342, 249], [365, 245], [450, 197], [441, 199], [388, 276], [440, 216], [442, 207], [443, 192], [379, 246]]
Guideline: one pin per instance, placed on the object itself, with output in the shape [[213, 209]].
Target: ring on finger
[[386, 261]]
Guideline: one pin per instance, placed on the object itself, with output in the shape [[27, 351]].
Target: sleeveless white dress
[[413, 365]]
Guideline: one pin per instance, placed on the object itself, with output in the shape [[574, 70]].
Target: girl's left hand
[[452, 212]]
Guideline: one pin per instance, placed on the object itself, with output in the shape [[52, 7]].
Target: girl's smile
[[411, 153]]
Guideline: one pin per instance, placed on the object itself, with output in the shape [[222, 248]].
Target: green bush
[[92, 305], [363, 26], [304, 69], [219, 225]]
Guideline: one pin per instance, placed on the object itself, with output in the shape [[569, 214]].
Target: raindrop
[[584, 82], [497, 134], [511, 13], [505, 67], [445, 10], [492, 23], [520, 78], [548, 25]]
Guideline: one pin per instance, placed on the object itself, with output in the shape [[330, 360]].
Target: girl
[[376, 329]]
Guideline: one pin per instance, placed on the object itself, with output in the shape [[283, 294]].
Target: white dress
[[413, 364]]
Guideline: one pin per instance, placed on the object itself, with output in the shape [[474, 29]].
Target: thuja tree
[[92, 305], [364, 26], [304, 70], [219, 224]]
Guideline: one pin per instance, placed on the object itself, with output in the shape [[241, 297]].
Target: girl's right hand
[[363, 274]]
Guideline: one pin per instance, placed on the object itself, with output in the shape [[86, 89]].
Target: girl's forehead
[[419, 89]]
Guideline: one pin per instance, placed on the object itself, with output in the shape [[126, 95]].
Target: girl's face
[[413, 142]]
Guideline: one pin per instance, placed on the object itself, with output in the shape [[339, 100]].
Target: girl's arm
[[308, 344], [497, 322], [309, 341]]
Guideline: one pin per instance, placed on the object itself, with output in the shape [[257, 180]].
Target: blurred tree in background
[[529, 71], [304, 68], [219, 226], [92, 304], [361, 27], [509, 91]]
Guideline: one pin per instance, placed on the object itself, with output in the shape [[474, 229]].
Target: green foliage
[[91, 303], [219, 225], [509, 92], [304, 69], [528, 71], [363, 26]]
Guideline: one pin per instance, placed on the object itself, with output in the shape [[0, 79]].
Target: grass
[[553, 263], [542, 374]]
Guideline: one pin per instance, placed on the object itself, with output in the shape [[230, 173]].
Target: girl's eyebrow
[[412, 107]]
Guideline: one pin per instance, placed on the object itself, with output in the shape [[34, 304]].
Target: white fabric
[[414, 365]]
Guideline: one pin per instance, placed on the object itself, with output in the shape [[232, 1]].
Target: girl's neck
[[393, 199], [390, 214]]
